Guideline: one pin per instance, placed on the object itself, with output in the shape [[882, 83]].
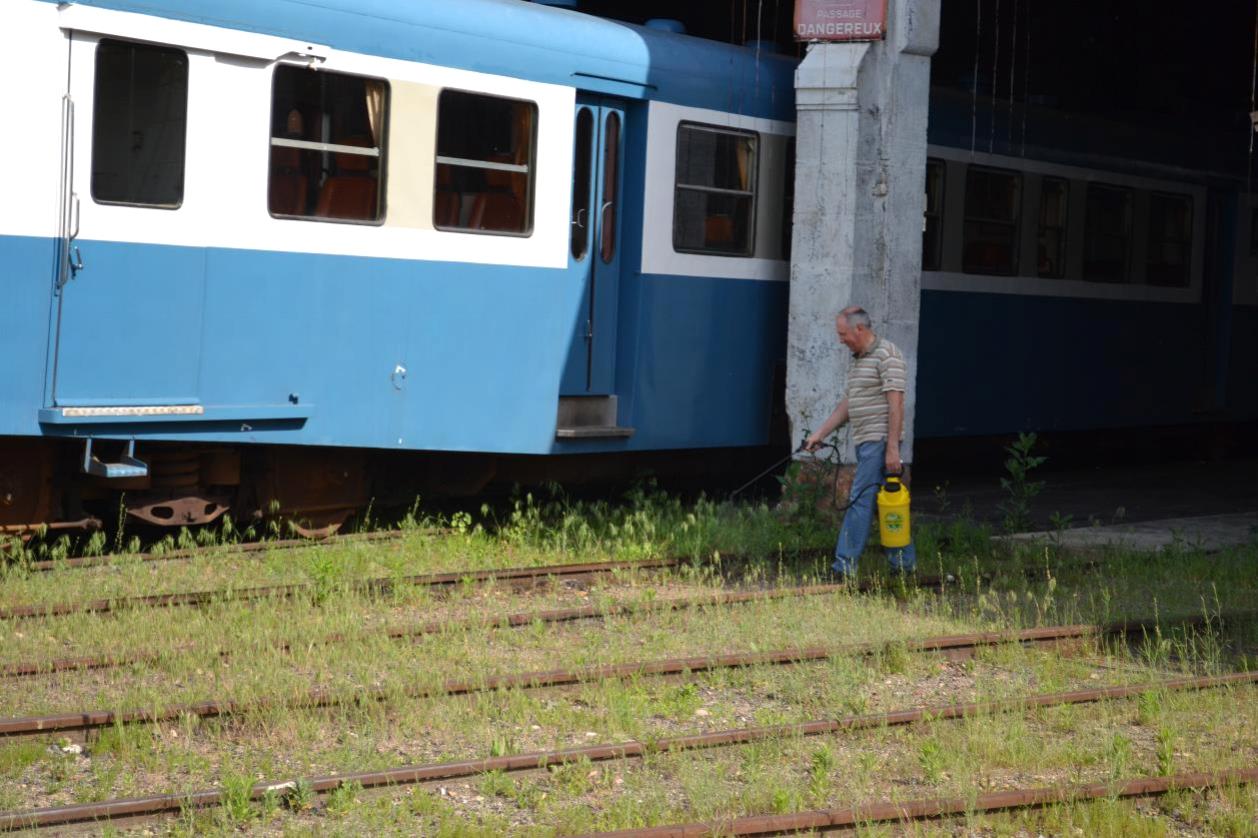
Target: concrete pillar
[[860, 177]]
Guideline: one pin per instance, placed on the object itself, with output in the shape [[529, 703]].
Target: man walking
[[875, 406]]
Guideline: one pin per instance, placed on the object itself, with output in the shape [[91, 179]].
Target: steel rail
[[28, 669], [959, 645], [377, 585], [409, 775], [213, 550], [936, 808]]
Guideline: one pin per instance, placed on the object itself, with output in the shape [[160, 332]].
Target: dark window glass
[[1050, 249], [582, 161], [1253, 232], [1170, 240], [715, 194], [993, 199], [327, 146], [788, 199], [1107, 234], [484, 163], [611, 177], [139, 124], [932, 224]]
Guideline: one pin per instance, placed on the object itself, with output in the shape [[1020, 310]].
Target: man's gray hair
[[856, 316]]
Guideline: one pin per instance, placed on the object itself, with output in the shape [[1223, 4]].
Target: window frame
[[1015, 225], [336, 148], [530, 169], [1130, 233], [1063, 230], [1186, 243], [752, 195], [96, 99]]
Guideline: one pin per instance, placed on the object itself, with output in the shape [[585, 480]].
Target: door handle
[[578, 222]]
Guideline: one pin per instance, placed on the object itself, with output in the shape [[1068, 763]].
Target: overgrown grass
[[993, 584]]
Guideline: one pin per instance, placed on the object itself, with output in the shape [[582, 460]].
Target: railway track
[[560, 615], [957, 646], [169, 804], [212, 551], [378, 585], [936, 808]]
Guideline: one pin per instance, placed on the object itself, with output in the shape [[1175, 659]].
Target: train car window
[[993, 200], [932, 224], [581, 172], [611, 178], [1107, 234], [1170, 240], [1253, 232], [327, 146], [715, 193], [139, 125], [485, 149], [1050, 242]]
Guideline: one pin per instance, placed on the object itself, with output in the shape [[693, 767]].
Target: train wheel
[[27, 496], [312, 492]]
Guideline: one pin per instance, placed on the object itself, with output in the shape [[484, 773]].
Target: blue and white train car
[[244, 245]]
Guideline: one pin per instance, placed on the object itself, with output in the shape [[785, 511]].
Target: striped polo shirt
[[875, 372]]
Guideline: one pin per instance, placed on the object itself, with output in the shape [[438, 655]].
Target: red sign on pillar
[[840, 20]]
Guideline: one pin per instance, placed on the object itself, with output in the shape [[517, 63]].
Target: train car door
[[130, 280], [594, 255]]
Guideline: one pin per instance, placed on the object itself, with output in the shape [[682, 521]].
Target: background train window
[[1253, 232], [484, 163], [327, 141], [715, 194], [1170, 240], [993, 199], [139, 124], [1050, 242], [1107, 234], [932, 226]]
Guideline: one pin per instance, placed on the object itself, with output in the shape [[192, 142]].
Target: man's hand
[[813, 442], [893, 463]]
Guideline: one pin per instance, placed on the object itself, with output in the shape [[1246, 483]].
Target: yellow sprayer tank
[[893, 513]]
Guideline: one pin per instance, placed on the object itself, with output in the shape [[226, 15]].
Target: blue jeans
[[870, 470]]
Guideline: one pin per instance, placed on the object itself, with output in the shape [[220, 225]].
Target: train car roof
[[516, 38]]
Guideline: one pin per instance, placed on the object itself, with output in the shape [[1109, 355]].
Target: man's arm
[[838, 417], [895, 425]]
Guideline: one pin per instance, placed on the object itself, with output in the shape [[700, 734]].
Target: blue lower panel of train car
[[1242, 391], [382, 353], [129, 327], [995, 363], [704, 358], [26, 279]]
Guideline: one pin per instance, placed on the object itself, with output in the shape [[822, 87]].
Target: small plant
[[238, 798], [1166, 751], [931, 758], [501, 746], [342, 798], [1119, 756], [1018, 485], [301, 795], [819, 774]]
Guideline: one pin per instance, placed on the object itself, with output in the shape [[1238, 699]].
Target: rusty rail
[[408, 775], [935, 808], [956, 645], [379, 585], [560, 615], [213, 550]]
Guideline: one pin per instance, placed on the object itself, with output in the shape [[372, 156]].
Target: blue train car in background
[[1082, 274], [275, 257], [260, 244]]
